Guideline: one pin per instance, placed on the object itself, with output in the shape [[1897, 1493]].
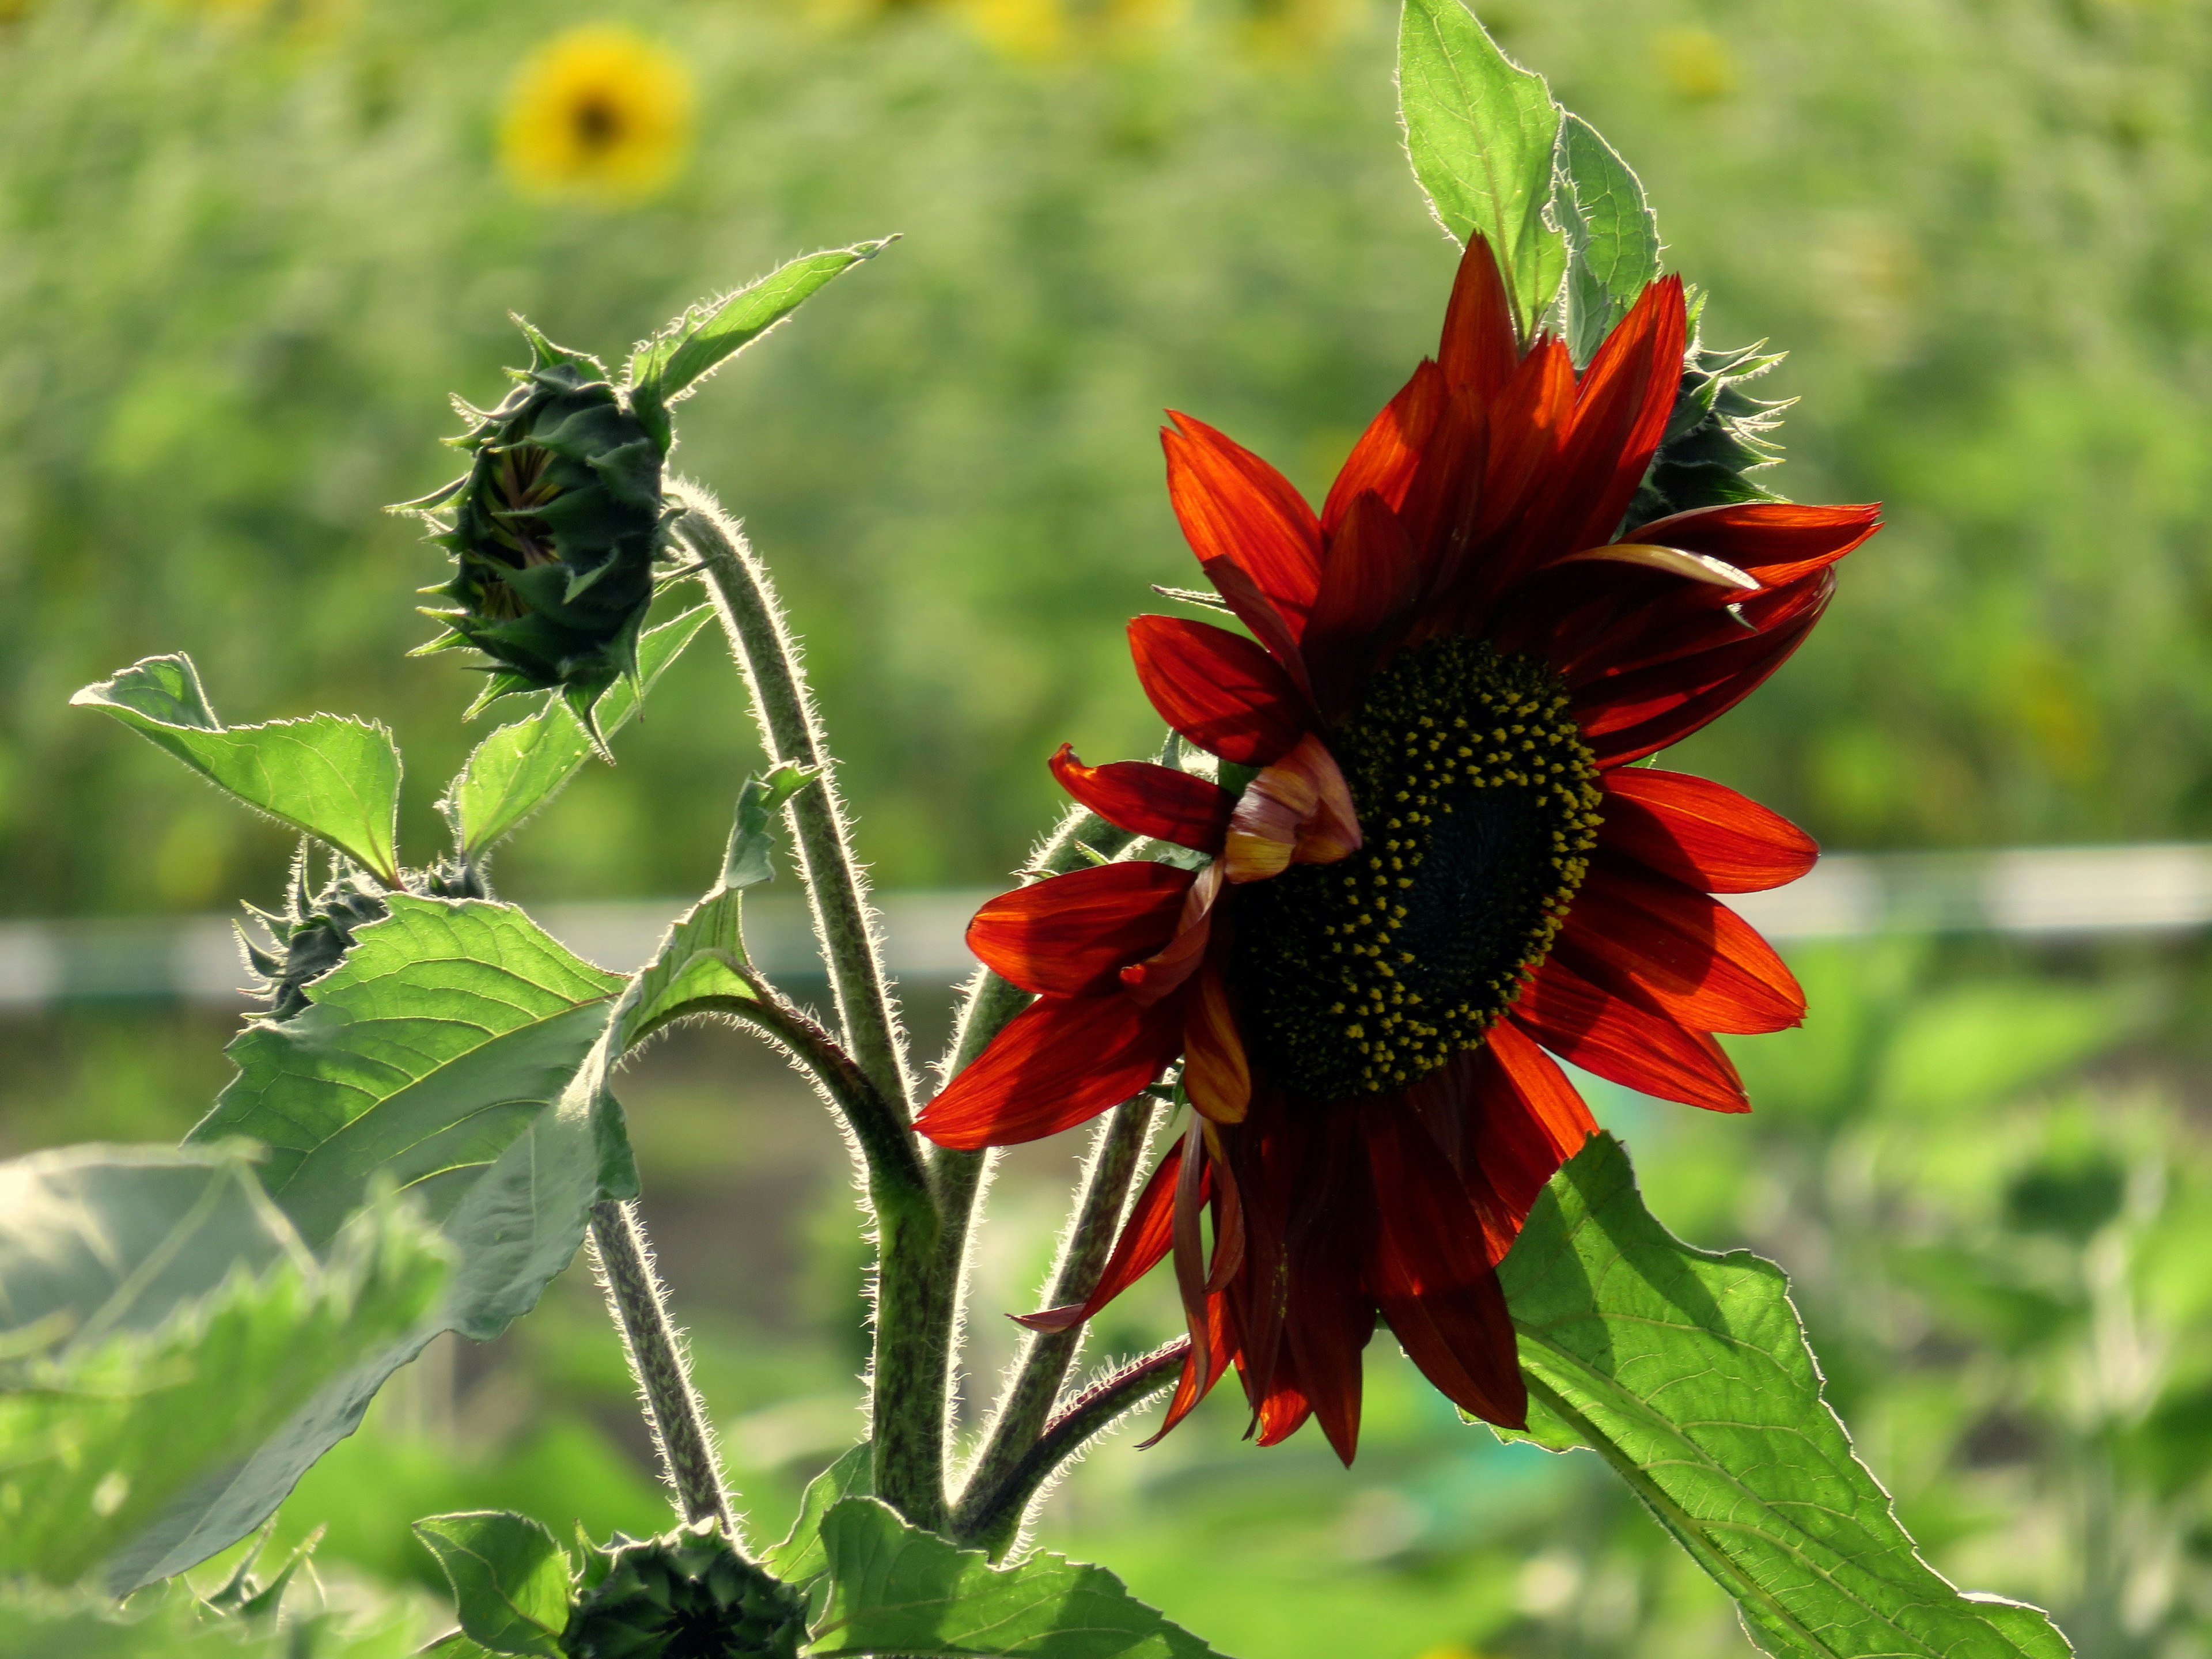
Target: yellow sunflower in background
[[600, 113]]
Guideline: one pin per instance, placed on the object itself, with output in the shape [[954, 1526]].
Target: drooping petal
[[1696, 959], [1142, 1246], [1149, 801], [1201, 1372], [1624, 1041], [1072, 935], [1427, 1268], [1232, 505], [1215, 1073], [1061, 1060], [1701, 833], [1480, 347], [1218, 688], [1774, 542], [1384, 461], [1331, 1318], [1298, 811]]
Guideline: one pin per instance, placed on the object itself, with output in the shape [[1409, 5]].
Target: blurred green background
[[247, 250]]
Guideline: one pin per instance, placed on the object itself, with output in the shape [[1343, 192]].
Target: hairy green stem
[[681, 1430], [998, 1512], [789, 731], [914, 1304], [1046, 1356]]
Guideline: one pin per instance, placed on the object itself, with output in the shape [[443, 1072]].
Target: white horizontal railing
[[2048, 893]]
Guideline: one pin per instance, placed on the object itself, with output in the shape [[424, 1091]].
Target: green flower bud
[[1716, 435], [554, 528], [314, 930], [687, 1595]]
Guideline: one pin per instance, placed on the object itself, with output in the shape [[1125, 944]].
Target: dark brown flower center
[[1478, 801]]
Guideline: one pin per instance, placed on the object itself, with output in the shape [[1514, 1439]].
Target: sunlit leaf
[[801, 1557], [521, 767], [1481, 131], [163, 1326], [510, 1578], [1613, 236], [896, 1588], [336, 777], [1688, 1373]]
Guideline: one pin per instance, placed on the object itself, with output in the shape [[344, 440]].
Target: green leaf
[[1689, 1374], [750, 859], [334, 778], [1613, 236], [510, 1578], [667, 368], [896, 1588], [456, 1052], [162, 1321], [521, 767], [801, 1557], [1480, 131], [448, 1028]]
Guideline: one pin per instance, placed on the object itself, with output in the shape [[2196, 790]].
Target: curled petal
[[1073, 934], [1774, 542], [1669, 561], [1701, 833], [1215, 1073], [1218, 688], [1061, 1060], [1149, 801], [1298, 811], [1149, 981]]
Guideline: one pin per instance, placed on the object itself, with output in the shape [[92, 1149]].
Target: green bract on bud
[[554, 528], [1716, 435], [314, 930], [687, 1595]]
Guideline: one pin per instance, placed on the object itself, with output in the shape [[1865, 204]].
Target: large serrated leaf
[[336, 777], [459, 1052], [1613, 236], [667, 368], [1481, 131], [1689, 1373], [449, 1027], [160, 1317], [896, 1588], [521, 767], [801, 1558]]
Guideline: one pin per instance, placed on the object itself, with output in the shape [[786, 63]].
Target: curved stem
[[998, 1512], [908, 1382], [680, 1430], [790, 733], [1047, 1355]]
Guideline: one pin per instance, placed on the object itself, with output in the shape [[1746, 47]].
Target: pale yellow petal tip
[[599, 115]]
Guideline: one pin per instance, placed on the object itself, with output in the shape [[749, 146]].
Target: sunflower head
[[599, 115], [554, 528], [686, 1594]]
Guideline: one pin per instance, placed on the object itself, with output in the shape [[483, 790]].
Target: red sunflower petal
[[1388, 453], [1282, 1410], [1331, 1321], [1149, 801], [1480, 348], [1232, 505], [1142, 1246], [1624, 1041], [1061, 1060], [1073, 934], [1696, 960], [1531, 1119], [1621, 405], [1189, 1388], [1701, 833], [1257, 612], [1427, 1268], [1777, 541], [1218, 688], [1370, 577]]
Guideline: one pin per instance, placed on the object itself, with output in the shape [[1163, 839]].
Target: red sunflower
[[1430, 859]]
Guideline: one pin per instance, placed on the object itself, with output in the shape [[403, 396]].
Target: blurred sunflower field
[[248, 247]]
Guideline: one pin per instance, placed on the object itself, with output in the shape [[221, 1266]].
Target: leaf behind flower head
[[1481, 132], [336, 777], [1613, 235], [1689, 1373]]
